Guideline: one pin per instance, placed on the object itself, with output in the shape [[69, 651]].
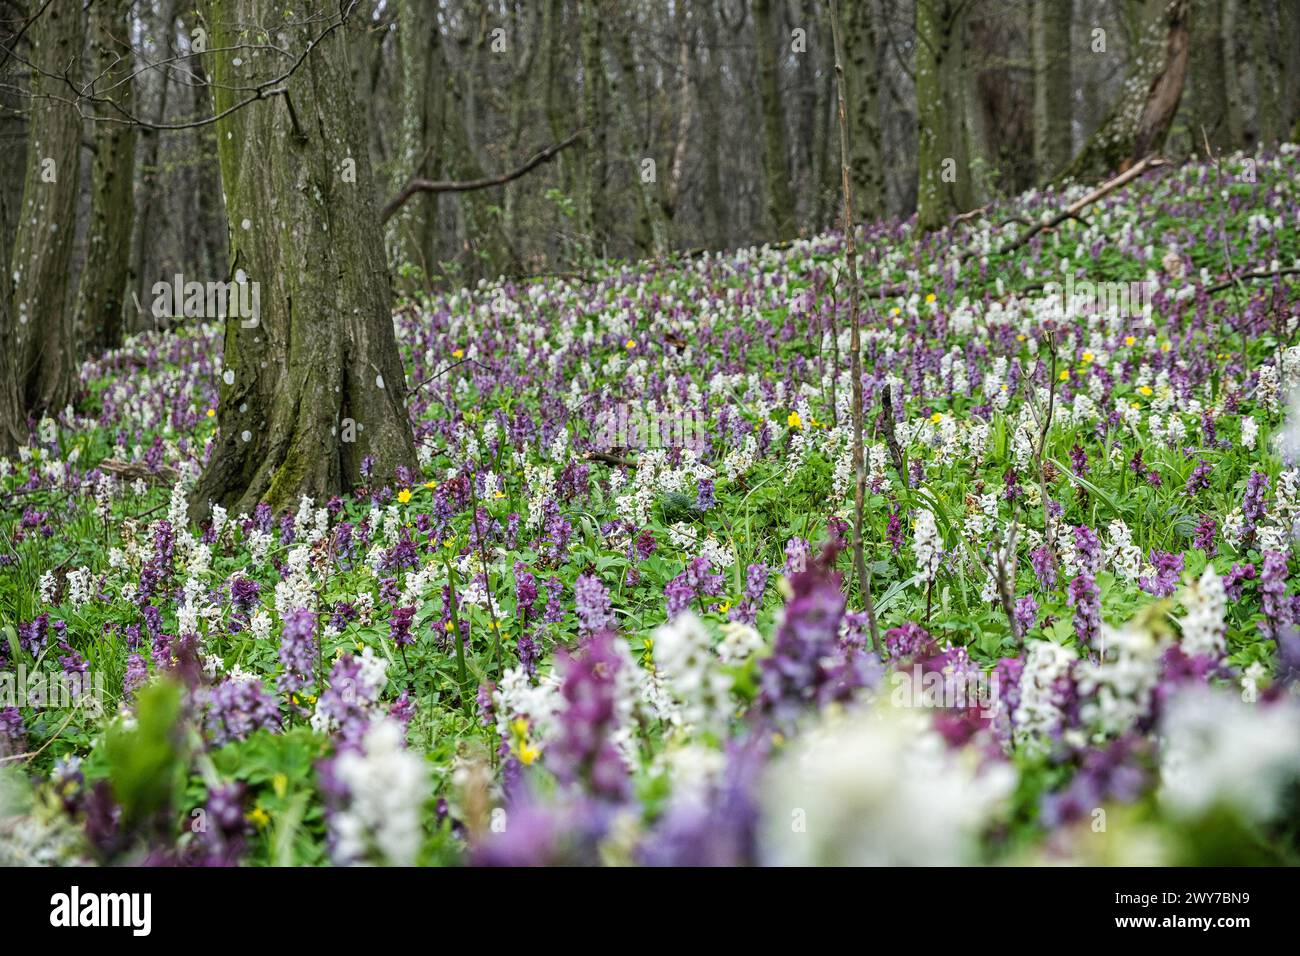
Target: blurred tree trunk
[[716, 205], [1139, 120], [1289, 37], [313, 385], [776, 164], [1263, 48], [862, 49], [1209, 77], [1053, 86], [944, 186], [418, 46], [39, 328], [13, 160], [592, 215], [647, 231], [134, 319], [101, 300]]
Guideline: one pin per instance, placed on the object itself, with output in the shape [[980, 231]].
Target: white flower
[[1220, 751], [1038, 716], [877, 788], [739, 642], [1116, 689], [927, 544], [1203, 625], [682, 653], [386, 786]]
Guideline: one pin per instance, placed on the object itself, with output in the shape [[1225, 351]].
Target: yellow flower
[[1165, 346], [1129, 340], [895, 311], [937, 417], [1020, 337], [631, 344], [458, 354], [258, 817], [431, 485], [929, 299], [499, 494], [724, 607], [1065, 374], [1133, 404], [519, 725], [404, 495], [793, 420], [211, 412], [527, 754], [1088, 356], [1145, 390], [450, 627]]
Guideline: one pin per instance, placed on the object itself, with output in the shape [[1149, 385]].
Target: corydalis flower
[[1085, 598], [297, 651], [927, 545], [1203, 625], [584, 751], [399, 626], [1272, 587], [381, 788], [235, 709], [591, 602]]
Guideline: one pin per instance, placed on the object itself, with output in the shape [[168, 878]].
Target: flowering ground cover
[[576, 639]]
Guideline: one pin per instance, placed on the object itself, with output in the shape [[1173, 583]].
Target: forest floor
[[614, 619]]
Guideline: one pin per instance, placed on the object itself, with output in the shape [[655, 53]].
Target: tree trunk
[[312, 387], [1263, 33], [1139, 121], [417, 40], [717, 205], [776, 163], [1209, 78], [1053, 86], [862, 49], [647, 230], [13, 159], [102, 297], [41, 321], [592, 212], [944, 186]]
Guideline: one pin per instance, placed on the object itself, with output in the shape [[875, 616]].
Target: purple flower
[[1206, 531], [1085, 598], [796, 555], [591, 601], [554, 613], [1199, 480], [1088, 547], [755, 586], [894, 532], [705, 499], [1168, 567], [136, 674], [399, 626], [525, 591], [1252, 505], [1232, 581], [909, 642], [1044, 565], [1025, 614], [694, 583], [235, 709], [584, 753], [1272, 588], [297, 650], [13, 735]]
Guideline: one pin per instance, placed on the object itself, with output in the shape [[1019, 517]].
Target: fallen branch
[[132, 470], [1268, 274], [468, 185], [1072, 211]]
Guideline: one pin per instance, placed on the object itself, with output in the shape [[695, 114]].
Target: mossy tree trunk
[[944, 186], [314, 385], [1140, 119], [39, 331], [776, 160], [1053, 86], [100, 299], [592, 212], [862, 48], [423, 83], [1209, 77]]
